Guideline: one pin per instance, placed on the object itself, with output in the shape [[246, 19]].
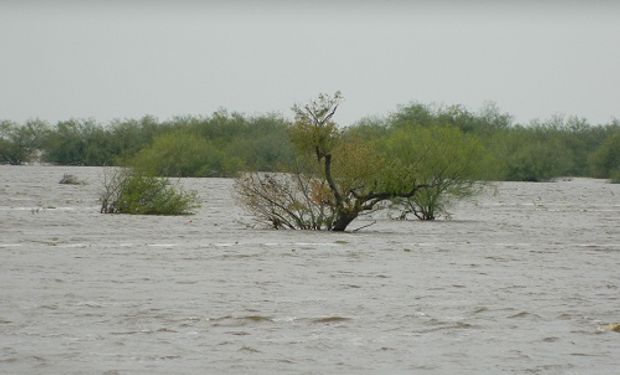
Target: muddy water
[[525, 280]]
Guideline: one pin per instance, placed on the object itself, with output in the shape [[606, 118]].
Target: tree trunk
[[342, 221]]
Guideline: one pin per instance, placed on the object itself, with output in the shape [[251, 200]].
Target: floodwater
[[524, 280]]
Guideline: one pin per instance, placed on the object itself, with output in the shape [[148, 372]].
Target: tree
[[181, 153], [286, 201], [605, 161], [449, 162], [488, 120], [79, 142], [337, 180], [19, 144], [350, 172], [533, 153]]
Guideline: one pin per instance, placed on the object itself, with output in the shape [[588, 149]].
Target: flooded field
[[524, 280]]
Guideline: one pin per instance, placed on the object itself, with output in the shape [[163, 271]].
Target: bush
[[446, 163], [79, 142], [286, 201], [184, 154], [128, 192], [528, 154], [69, 179], [605, 161], [20, 144]]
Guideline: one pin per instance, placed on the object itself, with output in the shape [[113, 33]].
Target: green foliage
[[605, 161], [128, 192], [330, 188], [444, 161], [314, 131], [182, 154], [531, 154], [489, 119], [79, 142], [538, 151], [360, 169], [343, 175], [19, 144], [579, 140], [262, 145], [221, 145], [130, 136], [426, 204], [231, 142]]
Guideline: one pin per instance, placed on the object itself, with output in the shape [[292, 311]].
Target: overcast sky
[[120, 59]]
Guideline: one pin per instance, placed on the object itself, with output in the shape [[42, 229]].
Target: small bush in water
[[69, 179], [129, 192]]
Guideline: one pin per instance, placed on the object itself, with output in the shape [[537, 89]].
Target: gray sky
[[119, 59]]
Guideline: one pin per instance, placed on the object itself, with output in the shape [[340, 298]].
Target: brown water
[[523, 281]]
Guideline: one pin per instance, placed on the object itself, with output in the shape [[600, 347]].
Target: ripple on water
[[447, 326], [330, 319], [249, 349], [232, 321], [524, 314]]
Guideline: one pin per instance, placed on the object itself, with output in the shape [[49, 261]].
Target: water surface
[[523, 280]]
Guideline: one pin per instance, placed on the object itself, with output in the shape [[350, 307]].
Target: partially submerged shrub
[[126, 191], [425, 205], [69, 179], [339, 178], [286, 201], [433, 202], [447, 162]]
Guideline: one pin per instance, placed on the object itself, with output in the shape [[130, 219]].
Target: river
[[522, 280]]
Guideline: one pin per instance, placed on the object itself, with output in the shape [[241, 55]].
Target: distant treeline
[[224, 144]]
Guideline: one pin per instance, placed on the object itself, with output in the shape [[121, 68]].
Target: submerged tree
[[337, 180], [448, 161], [286, 201]]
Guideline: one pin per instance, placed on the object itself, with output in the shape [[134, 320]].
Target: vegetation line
[[224, 143]]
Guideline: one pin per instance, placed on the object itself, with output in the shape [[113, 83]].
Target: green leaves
[[605, 161], [131, 192], [442, 161], [182, 154], [19, 144], [526, 155], [313, 130]]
